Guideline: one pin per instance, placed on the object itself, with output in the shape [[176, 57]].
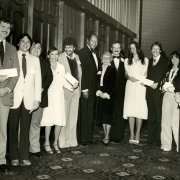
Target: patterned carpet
[[99, 162]]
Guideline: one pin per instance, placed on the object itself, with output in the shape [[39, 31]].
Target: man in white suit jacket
[[28, 88], [71, 62], [27, 96]]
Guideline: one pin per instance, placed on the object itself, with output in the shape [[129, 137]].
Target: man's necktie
[[24, 64], [154, 62], [92, 50], [1, 52]]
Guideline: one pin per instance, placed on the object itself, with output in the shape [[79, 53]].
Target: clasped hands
[[168, 86], [102, 95]]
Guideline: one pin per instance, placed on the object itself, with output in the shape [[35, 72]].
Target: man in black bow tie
[[90, 64], [117, 129]]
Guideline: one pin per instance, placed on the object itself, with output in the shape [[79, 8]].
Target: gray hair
[[108, 54]]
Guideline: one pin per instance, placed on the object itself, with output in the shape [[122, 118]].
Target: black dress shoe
[[37, 154], [92, 142], [84, 144], [105, 141], [4, 168], [115, 141]]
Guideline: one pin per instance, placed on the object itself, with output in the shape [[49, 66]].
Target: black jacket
[[47, 78], [89, 70]]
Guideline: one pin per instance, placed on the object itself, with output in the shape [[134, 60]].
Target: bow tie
[[154, 62], [116, 57], [92, 50]]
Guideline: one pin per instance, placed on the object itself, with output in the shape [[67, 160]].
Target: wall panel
[[72, 23], [45, 22], [160, 22], [124, 11]]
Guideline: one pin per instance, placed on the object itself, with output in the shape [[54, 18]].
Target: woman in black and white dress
[[105, 94]]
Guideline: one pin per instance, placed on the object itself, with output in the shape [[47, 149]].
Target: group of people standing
[[106, 90]]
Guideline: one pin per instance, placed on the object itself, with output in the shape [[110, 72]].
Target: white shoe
[[15, 162], [166, 150], [25, 163], [131, 141], [136, 141]]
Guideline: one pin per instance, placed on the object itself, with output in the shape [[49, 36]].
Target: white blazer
[[28, 88]]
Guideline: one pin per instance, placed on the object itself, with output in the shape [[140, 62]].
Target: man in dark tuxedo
[[157, 68], [47, 77], [8, 60], [117, 129], [89, 62]]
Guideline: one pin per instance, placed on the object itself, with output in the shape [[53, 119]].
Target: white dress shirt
[[155, 60], [95, 57], [116, 62]]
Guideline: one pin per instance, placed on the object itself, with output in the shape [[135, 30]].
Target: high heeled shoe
[[131, 141], [48, 149], [56, 148], [136, 141], [106, 141]]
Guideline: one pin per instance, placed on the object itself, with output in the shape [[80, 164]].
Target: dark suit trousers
[[154, 102], [117, 128], [19, 138], [86, 119]]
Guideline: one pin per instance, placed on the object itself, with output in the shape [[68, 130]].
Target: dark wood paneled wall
[[50, 21], [72, 23]]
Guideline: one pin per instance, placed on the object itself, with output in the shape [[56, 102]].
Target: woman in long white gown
[[54, 114], [135, 105]]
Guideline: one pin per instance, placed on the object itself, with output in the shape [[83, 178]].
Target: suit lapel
[[107, 71], [6, 55], [91, 57], [66, 63], [158, 63]]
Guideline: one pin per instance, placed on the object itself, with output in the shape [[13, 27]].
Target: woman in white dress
[[54, 114], [135, 105]]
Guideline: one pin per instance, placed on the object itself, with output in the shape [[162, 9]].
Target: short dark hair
[[5, 20], [69, 41], [91, 34], [36, 42], [115, 42], [157, 44], [21, 36], [160, 47], [51, 50]]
